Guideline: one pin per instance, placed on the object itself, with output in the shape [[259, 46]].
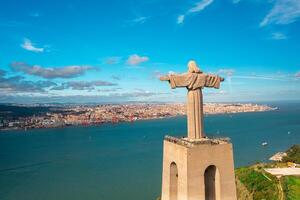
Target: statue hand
[[164, 78]]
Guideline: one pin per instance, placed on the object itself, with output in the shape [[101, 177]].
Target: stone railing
[[192, 142]]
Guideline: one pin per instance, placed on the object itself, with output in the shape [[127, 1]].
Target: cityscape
[[71, 115]]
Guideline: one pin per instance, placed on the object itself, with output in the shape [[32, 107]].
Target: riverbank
[[100, 114]]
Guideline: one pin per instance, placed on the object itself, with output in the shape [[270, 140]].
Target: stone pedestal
[[200, 169]]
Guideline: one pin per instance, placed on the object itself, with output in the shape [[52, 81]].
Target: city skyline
[[95, 51]]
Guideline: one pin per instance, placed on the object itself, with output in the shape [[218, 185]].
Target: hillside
[[254, 183]]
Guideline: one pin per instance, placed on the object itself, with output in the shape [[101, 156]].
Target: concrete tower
[[196, 167]]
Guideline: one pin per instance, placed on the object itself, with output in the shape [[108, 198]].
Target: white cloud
[[29, 46], [140, 20], [51, 72], [199, 6], [136, 21], [136, 59], [180, 19], [83, 85], [297, 75], [278, 36], [171, 72], [283, 12]]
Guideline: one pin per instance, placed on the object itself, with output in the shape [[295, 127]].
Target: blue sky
[[114, 51]]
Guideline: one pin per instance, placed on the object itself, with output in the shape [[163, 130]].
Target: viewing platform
[[187, 142]]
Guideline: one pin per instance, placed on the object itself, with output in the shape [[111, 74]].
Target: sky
[[72, 51]]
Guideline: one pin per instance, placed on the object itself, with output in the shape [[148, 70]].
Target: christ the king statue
[[194, 80]]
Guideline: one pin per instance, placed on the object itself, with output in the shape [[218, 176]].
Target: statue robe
[[194, 82]]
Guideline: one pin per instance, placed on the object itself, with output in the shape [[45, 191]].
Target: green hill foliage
[[259, 184], [291, 187], [293, 154]]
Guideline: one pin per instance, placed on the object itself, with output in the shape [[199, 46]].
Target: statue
[[194, 80]]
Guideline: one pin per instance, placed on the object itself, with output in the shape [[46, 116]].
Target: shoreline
[[5, 130]]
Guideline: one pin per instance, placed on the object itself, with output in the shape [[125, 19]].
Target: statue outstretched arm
[[213, 81], [164, 78], [177, 80]]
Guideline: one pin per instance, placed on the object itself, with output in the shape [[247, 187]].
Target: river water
[[123, 161]]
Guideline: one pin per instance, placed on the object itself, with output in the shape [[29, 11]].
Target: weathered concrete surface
[[198, 162]]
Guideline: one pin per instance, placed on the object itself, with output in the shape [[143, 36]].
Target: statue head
[[193, 67]]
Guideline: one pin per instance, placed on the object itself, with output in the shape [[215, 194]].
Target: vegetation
[[259, 184], [242, 192], [253, 183], [293, 155], [291, 187]]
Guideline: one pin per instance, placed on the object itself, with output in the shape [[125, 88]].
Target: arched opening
[[212, 183], [173, 181]]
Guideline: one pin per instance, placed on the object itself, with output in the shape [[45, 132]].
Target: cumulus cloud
[[29, 46], [278, 36], [51, 72], [283, 12], [199, 6], [83, 85], [17, 84], [136, 59]]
